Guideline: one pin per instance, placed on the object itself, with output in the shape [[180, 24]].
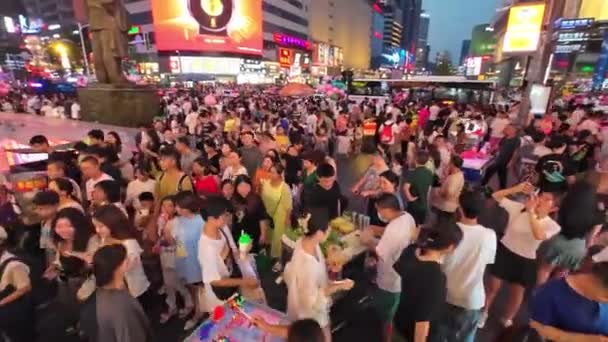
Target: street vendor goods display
[[232, 322]]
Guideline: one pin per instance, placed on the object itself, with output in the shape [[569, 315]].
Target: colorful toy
[[218, 313]]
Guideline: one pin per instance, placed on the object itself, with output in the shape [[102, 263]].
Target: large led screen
[[233, 26]]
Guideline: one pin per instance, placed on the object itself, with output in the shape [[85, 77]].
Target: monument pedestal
[[119, 105]]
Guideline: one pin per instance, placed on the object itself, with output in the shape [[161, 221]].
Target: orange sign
[[233, 26], [285, 57], [523, 28]]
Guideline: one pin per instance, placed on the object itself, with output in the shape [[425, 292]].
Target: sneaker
[[482, 320], [191, 324]]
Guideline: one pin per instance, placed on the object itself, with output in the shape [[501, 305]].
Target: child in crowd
[[145, 210]]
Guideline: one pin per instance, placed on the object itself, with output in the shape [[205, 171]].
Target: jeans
[[458, 324]]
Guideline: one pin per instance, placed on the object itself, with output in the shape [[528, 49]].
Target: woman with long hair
[[72, 234], [114, 142], [64, 188], [250, 214], [308, 288], [278, 202], [262, 173], [107, 192], [113, 227]]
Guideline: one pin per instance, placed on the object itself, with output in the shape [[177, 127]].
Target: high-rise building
[[464, 51], [346, 24], [422, 47], [393, 29], [411, 10], [51, 11], [286, 17]]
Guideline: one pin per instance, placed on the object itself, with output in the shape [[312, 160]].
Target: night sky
[[453, 20]]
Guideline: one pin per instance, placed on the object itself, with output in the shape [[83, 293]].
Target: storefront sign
[[290, 41], [285, 57], [563, 37], [573, 24], [473, 66], [523, 28], [205, 65], [570, 48]]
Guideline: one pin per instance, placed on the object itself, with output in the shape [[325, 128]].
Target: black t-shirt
[[553, 171], [506, 148], [315, 197], [423, 294]]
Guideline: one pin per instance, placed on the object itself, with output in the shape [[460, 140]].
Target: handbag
[[222, 292]]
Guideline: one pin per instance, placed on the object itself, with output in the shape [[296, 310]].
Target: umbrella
[[296, 89]]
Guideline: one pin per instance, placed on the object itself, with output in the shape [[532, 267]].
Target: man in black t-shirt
[[506, 148], [555, 170]]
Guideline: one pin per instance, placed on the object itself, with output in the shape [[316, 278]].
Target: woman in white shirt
[[309, 290], [113, 227], [63, 187], [142, 183]]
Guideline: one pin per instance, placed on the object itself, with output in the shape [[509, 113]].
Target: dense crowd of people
[[117, 229]]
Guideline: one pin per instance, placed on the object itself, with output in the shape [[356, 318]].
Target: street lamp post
[[84, 49]]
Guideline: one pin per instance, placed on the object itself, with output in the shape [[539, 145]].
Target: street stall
[[474, 164], [232, 323]]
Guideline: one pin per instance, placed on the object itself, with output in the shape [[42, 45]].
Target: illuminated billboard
[[597, 9], [233, 26], [523, 28]]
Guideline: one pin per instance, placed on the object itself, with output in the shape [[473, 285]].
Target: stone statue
[[108, 27]]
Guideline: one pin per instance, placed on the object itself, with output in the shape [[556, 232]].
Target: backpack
[[180, 182], [386, 136]]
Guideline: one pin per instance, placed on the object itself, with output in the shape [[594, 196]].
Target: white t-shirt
[[306, 276], [213, 266], [90, 184], [135, 277], [75, 109], [397, 235], [518, 237], [16, 273], [191, 121], [451, 186], [464, 268], [136, 188], [231, 174]]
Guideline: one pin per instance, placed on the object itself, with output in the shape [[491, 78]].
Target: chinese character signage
[[523, 28], [285, 57]]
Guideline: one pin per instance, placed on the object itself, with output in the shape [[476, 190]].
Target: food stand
[[474, 165], [232, 323]]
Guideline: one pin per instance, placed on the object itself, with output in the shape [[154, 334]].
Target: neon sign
[[290, 41]]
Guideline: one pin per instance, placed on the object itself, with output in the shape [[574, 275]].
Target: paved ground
[[360, 327]]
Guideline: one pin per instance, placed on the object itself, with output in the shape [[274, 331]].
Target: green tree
[[444, 64]]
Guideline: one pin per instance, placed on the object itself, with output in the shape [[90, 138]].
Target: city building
[[412, 10], [345, 24], [393, 29], [464, 51], [288, 18], [59, 12], [422, 47]]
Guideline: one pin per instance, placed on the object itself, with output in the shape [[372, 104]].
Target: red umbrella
[[296, 89]]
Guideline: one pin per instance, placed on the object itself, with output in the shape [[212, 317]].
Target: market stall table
[[474, 165], [233, 326]]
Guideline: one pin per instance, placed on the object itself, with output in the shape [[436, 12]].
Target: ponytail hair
[[439, 238]]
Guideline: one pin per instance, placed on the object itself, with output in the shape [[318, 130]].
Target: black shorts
[[513, 268]]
